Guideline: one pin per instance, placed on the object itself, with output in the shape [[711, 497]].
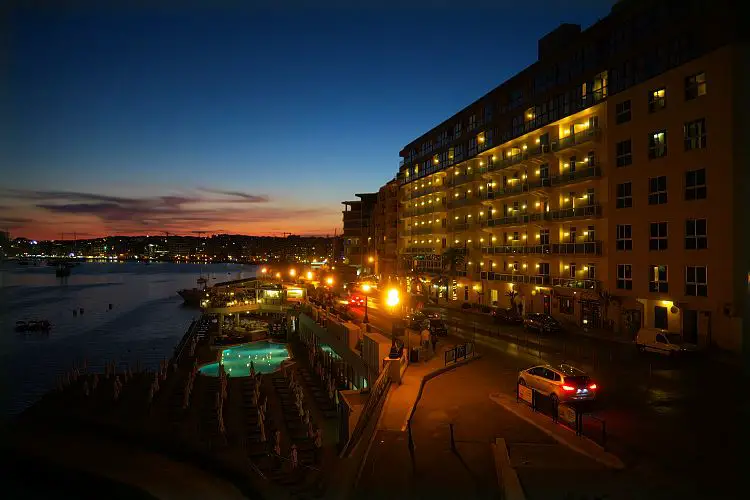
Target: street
[[675, 423]]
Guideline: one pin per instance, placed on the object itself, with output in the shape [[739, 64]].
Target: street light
[[309, 275], [365, 289], [278, 275], [371, 259], [329, 280], [292, 272]]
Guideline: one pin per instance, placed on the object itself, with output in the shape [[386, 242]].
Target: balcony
[[517, 249], [515, 188], [579, 175], [586, 284], [463, 202], [416, 193], [536, 279], [461, 273], [582, 137], [504, 221], [585, 248], [419, 250], [457, 180], [426, 230], [584, 212], [463, 226]]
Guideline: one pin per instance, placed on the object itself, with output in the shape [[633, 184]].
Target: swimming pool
[[266, 357]]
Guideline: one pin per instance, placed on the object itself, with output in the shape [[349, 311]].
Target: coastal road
[[677, 424]]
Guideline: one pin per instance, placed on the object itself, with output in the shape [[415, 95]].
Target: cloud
[[249, 198]]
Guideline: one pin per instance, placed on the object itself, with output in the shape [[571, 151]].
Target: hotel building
[[603, 184], [359, 246]]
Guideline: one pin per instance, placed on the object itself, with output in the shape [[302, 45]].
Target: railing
[[459, 353], [575, 283], [373, 403], [585, 248], [426, 230], [457, 180], [537, 279], [586, 173], [519, 249], [496, 193], [575, 213], [462, 202], [571, 140], [502, 221], [416, 193], [420, 250]]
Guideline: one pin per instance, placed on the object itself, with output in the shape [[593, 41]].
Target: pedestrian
[[293, 457], [434, 340], [318, 442]]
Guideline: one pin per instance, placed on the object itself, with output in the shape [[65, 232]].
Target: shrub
[[486, 309], [465, 305]]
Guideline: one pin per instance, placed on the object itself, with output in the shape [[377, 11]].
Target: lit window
[[695, 86], [657, 99]]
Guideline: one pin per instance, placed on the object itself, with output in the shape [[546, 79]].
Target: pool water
[[266, 357]]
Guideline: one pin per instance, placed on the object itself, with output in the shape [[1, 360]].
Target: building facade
[[358, 234], [589, 185], [386, 230]]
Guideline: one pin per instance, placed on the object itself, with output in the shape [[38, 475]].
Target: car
[[438, 327], [562, 383], [356, 300], [542, 323], [507, 316], [663, 342], [416, 321]]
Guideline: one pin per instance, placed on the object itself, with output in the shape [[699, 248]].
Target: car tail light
[[592, 386], [568, 388]]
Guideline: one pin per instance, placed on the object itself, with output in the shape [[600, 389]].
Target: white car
[[663, 342], [562, 383]]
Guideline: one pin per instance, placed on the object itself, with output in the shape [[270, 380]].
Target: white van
[[662, 341]]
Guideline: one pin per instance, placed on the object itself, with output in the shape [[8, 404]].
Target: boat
[[193, 296], [33, 326]]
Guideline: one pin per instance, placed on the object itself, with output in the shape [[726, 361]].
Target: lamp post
[[365, 290]]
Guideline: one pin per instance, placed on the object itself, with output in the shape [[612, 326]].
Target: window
[[572, 270], [624, 276], [622, 112], [590, 271], [657, 99], [566, 305], [544, 236], [623, 153], [696, 237], [544, 268], [624, 195], [657, 279], [661, 319], [457, 130], [657, 239], [696, 284], [695, 86], [695, 184], [657, 190], [624, 237], [657, 144], [695, 134]]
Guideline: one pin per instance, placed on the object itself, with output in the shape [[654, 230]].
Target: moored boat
[[33, 326]]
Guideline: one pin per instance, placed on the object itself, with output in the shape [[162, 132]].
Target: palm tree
[[452, 258], [607, 298], [512, 294]]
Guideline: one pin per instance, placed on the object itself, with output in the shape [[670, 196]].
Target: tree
[[606, 298], [451, 259]]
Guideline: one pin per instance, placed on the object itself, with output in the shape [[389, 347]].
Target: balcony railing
[[426, 230], [504, 221], [576, 283], [463, 202], [535, 279], [517, 249], [420, 250], [495, 193], [435, 188], [575, 213], [581, 137], [585, 248], [583, 174], [457, 180]]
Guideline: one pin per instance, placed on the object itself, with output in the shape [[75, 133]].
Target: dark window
[[624, 276], [696, 236], [657, 144], [544, 268], [624, 237], [695, 86], [657, 239], [657, 279], [657, 99], [623, 153], [695, 134], [566, 305], [622, 112], [695, 184], [624, 197], [544, 236], [696, 281], [657, 190], [661, 320]]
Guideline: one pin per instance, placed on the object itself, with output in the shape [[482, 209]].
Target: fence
[[460, 352], [571, 416], [377, 395]]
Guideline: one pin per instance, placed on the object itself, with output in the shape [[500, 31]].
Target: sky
[[249, 120]]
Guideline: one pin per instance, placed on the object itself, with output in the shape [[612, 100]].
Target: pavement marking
[[507, 477]]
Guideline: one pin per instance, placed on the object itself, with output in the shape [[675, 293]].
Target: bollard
[[453, 441]]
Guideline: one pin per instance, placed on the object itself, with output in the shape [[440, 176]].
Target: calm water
[[147, 319]]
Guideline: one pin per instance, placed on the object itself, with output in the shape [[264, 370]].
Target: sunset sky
[[243, 121]]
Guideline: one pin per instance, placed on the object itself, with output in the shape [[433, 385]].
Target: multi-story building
[[358, 232], [586, 186], [386, 230]]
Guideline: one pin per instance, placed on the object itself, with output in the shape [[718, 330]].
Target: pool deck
[[160, 448]]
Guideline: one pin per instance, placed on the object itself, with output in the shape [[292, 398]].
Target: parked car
[[507, 316], [561, 383], [356, 300], [542, 323], [663, 342], [416, 321], [438, 327]]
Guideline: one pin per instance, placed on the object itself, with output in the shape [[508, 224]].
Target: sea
[[131, 312]]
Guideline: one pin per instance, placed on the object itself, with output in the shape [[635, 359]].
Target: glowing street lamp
[[329, 280], [366, 289], [264, 270], [278, 275], [309, 275], [371, 259], [392, 299], [292, 272]]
